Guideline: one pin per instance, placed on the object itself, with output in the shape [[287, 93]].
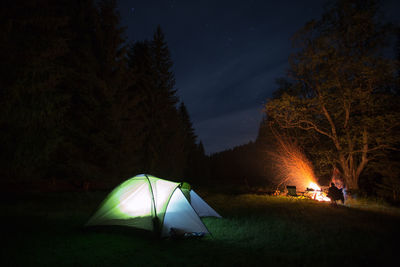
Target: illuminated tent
[[154, 204]]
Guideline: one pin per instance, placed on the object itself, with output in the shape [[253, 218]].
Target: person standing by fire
[[335, 194]]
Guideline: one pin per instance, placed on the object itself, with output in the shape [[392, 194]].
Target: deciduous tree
[[343, 87]]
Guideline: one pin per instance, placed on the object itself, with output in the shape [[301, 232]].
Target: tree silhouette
[[32, 112], [342, 81]]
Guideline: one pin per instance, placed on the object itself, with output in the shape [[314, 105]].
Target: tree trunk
[[352, 183], [350, 177], [352, 171]]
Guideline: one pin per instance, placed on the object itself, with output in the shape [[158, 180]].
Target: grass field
[[47, 230]]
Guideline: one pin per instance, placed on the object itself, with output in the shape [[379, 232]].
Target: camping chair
[[291, 191]]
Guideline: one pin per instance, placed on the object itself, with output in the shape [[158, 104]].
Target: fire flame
[[314, 186], [295, 169], [317, 194], [292, 165]]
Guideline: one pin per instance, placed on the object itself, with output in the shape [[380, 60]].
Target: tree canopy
[[340, 89], [80, 103]]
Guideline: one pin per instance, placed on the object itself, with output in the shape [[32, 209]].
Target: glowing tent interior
[[154, 204]]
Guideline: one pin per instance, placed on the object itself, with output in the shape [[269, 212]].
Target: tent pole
[[156, 223]]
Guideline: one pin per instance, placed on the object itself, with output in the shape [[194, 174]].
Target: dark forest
[[80, 105], [83, 108]]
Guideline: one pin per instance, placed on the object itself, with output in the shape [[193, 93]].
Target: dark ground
[[46, 229]]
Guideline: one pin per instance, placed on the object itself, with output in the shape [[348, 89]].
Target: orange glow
[[314, 186], [295, 169], [293, 166], [317, 194]]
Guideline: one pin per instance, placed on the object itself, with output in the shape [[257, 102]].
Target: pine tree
[[165, 81], [168, 136], [163, 149], [190, 136], [122, 104], [200, 167], [189, 142], [96, 84], [32, 106], [141, 65]]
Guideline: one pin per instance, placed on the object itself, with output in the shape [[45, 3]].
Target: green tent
[[154, 204]]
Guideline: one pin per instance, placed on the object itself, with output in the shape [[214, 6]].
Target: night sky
[[227, 55]]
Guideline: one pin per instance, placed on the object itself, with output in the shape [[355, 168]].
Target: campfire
[[296, 170], [316, 193]]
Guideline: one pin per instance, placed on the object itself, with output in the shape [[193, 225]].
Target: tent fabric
[[162, 191], [119, 207], [181, 215], [201, 207], [154, 204]]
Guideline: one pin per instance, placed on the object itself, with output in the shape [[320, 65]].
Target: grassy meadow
[[46, 229]]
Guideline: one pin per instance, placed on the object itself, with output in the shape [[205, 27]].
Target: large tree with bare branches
[[341, 87]]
